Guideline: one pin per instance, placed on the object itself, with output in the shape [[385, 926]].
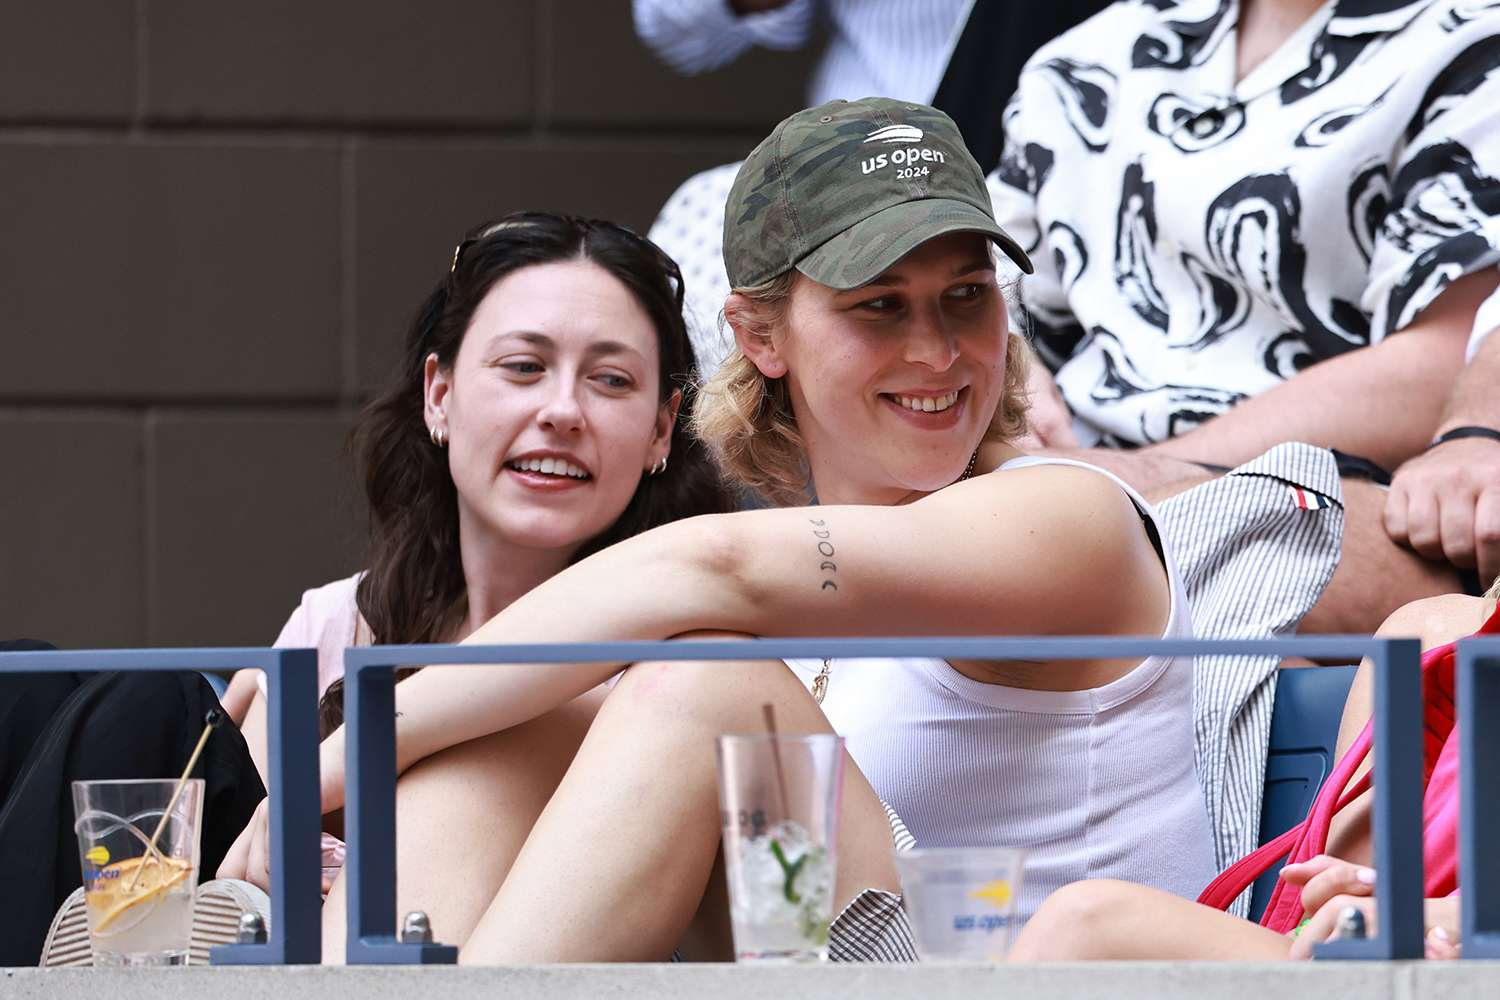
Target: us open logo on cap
[[909, 163], [895, 133]]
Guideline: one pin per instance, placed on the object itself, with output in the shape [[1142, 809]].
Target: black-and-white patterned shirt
[[1199, 240]]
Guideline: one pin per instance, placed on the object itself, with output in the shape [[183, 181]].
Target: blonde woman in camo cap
[[876, 377]]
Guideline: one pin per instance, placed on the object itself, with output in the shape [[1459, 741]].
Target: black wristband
[[1465, 432]]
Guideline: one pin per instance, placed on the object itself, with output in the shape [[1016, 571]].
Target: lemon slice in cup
[[112, 895]]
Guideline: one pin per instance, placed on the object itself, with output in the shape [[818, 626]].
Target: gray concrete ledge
[[1096, 981]]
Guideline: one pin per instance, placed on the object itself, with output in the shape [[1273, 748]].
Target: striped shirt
[[886, 48]]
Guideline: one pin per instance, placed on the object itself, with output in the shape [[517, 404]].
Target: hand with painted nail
[[1324, 877], [1442, 918]]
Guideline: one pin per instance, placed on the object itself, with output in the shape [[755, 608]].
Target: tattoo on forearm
[[827, 568]]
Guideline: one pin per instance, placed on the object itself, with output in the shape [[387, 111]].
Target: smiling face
[[893, 384], [552, 408]]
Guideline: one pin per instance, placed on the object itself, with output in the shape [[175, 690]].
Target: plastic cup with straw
[[138, 887], [780, 802]]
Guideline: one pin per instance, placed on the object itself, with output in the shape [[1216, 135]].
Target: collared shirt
[[876, 48], [1199, 240]]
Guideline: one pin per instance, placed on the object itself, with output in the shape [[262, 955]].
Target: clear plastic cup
[[780, 800], [961, 901], [139, 894]]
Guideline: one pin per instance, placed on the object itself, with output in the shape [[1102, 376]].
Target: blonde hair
[[746, 419], [1492, 598]]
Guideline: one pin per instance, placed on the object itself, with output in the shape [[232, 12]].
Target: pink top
[[326, 620]]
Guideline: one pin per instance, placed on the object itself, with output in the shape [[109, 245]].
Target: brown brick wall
[[215, 218]]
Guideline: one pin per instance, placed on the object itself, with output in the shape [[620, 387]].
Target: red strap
[[1235, 879], [1303, 841], [1309, 838]]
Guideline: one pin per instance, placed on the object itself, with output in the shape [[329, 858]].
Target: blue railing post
[[1397, 819], [295, 934], [369, 819], [371, 785], [1478, 798]]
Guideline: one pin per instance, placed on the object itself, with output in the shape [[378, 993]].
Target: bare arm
[[1381, 402], [236, 700], [254, 731], [1022, 552], [1434, 620]]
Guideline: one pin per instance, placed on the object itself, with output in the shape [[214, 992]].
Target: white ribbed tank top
[[1095, 784]]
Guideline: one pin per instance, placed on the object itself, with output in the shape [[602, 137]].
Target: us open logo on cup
[[997, 894], [94, 864], [908, 162]]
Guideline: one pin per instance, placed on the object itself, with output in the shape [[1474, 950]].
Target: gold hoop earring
[[438, 435], [657, 468]]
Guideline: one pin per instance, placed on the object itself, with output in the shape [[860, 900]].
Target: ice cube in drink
[[782, 903]]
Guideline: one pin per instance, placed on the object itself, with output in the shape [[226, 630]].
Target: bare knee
[[718, 690], [1081, 921]]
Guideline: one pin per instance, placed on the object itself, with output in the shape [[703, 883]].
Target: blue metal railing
[[371, 756], [1479, 806], [296, 929], [295, 936]]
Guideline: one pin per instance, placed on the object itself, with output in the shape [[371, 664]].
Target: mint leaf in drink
[[789, 870]]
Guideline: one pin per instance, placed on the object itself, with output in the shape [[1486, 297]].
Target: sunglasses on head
[[464, 245]]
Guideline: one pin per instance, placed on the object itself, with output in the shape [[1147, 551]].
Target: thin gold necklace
[[820, 682]]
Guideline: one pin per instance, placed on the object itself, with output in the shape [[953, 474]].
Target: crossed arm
[[1021, 552]]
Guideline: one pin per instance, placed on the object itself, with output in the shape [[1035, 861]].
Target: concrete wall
[[1074, 981], [215, 219]]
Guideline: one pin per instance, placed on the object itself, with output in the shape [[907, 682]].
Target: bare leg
[[462, 816], [1117, 920], [618, 862]]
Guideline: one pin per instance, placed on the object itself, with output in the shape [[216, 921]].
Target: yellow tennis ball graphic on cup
[[97, 855], [997, 893]]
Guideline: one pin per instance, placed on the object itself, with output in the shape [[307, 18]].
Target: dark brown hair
[[413, 591]]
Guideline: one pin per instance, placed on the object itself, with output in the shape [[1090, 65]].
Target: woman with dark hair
[[539, 413]]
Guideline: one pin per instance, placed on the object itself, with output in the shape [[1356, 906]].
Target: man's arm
[[1382, 402], [696, 36], [1445, 502]]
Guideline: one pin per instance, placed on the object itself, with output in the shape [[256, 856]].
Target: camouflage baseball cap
[[844, 190]]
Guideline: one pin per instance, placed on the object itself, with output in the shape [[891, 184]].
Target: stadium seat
[[1304, 732], [217, 682]]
